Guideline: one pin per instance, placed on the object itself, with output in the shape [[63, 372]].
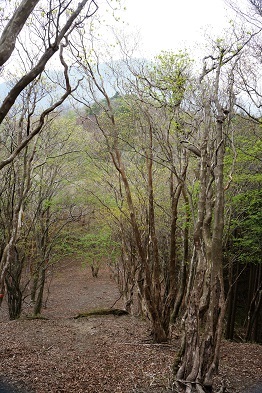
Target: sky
[[172, 24]]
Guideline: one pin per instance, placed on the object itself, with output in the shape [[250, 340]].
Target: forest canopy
[[152, 166]]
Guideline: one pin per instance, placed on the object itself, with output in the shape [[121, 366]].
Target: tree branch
[[43, 116], [13, 28], [38, 69]]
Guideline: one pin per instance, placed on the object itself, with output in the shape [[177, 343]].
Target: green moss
[[101, 312]]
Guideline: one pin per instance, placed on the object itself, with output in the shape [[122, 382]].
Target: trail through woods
[[101, 353]]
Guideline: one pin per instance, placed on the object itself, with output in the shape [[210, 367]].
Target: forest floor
[[100, 353]]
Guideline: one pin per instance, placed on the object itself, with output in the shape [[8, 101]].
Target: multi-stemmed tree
[[165, 133], [202, 121], [33, 32]]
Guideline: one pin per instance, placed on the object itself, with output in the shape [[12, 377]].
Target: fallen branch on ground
[[101, 312]]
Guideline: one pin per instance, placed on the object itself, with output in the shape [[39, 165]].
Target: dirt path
[[73, 289], [99, 354]]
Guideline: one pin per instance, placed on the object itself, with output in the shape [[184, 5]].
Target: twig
[[149, 345], [116, 301]]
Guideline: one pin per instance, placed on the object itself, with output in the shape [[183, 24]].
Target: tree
[[135, 148], [98, 248], [243, 232], [242, 240], [204, 316], [51, 27], [39, 177]]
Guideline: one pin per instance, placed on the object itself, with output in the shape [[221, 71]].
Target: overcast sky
[[169, 24], [172, 24]]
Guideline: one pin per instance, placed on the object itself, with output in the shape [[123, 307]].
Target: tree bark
[[13, 28], [203, 320], [232, 301], [255, 303], [12, 280], [40, 292]]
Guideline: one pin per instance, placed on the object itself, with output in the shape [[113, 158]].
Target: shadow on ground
[[6, 388]]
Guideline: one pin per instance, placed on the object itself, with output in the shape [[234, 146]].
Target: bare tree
[[56, 28], [51, 24]]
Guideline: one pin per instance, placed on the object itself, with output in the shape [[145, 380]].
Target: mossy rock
[[100, 312]]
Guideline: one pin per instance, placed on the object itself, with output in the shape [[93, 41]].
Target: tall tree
[[147, 97], [203, 319], [49, 27], [54, 26]]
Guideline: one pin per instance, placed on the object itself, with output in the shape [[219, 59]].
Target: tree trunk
[[232, 301], [255, 304], [184, 263], [40, 293], [12, 280], [203, 320]]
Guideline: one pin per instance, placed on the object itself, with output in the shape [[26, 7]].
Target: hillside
[[101, 353]]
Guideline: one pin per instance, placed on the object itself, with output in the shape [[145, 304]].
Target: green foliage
[[248, 226], [98, 247], [118, 104], [67, 244], [95, 108], [169, 77], [245, 194]]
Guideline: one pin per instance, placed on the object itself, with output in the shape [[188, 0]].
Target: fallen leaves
[[100, 354]]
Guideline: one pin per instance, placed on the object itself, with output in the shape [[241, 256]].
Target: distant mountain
[[53, 90]]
